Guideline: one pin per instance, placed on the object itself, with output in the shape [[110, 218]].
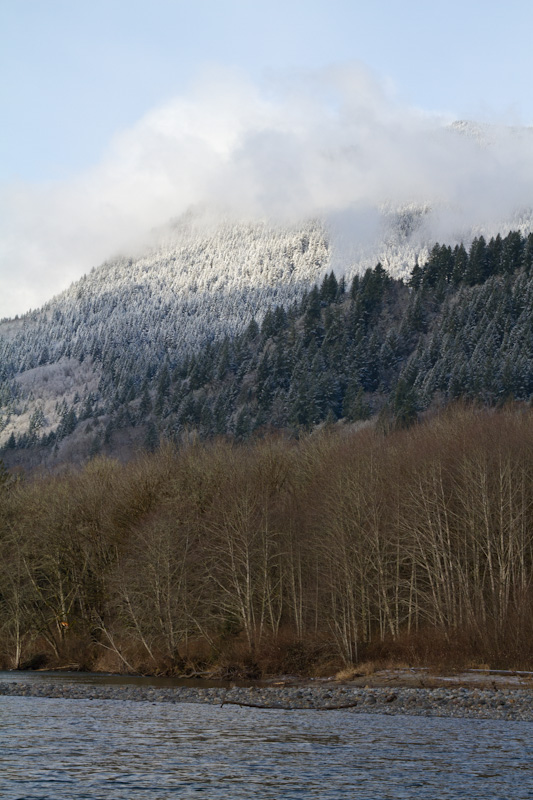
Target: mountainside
[[119, 322], [459, 328], [91, 368]]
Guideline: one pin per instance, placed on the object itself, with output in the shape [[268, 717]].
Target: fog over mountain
[[336, 146], [209, 212]]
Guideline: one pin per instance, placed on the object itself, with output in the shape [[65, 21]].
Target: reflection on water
[[53, 749], [108, 679]]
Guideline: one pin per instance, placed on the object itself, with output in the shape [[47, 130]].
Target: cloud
[[336, 144]]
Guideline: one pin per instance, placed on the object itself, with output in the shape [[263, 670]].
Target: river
[[57, 749]]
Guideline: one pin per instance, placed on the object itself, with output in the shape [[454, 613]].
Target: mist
[[337, 145]]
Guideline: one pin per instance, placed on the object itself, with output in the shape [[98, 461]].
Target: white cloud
[[335, 143]]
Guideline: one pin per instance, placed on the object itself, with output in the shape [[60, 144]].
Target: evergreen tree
[[145, 406], [477, 262], [312, 322], [243, 424], [354, 406], [404, 404], [460, 265], [328, 289], [151, 439], [252, 331]]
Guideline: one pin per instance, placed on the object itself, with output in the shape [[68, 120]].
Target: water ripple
[[55, 749]]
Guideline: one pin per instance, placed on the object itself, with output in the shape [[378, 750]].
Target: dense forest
[[283, 512], [460, 327], [279, 554], [116, 326]]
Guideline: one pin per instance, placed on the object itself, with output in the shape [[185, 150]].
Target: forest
[[279, 509], [460, 327], [279, 555]]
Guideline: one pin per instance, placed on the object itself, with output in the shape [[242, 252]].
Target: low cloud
[[336, 144]]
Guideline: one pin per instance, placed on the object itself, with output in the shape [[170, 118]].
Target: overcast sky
[[119, 113]]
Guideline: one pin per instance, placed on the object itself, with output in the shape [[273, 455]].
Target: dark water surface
[[109, 679], [56, 749]]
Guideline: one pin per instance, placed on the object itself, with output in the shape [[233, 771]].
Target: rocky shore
[[453, 701]]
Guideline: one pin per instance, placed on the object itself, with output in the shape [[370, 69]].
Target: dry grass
[[361, 670], [478, 665]]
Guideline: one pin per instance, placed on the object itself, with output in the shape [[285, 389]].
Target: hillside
[[123, 319], [115, 361], [459, 328]]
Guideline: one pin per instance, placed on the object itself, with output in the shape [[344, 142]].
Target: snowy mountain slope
[[128, 315], [103, 340]]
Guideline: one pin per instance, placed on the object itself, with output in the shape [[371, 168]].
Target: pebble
[[504, 704]]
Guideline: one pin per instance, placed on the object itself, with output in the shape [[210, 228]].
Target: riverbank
[[502, 703]]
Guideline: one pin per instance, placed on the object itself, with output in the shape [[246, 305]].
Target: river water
[[57, 749], [108, 679]]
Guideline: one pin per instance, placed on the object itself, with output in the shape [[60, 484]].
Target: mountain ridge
[[118, 325]]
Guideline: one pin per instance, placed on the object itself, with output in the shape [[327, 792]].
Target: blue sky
[[119, 114], [73, 73]]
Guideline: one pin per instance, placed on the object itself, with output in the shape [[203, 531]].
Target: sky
[[119, 114]]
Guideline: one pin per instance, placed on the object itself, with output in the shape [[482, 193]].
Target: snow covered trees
[[242, 329]]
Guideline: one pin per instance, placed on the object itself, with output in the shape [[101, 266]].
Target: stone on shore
[[505, 704]]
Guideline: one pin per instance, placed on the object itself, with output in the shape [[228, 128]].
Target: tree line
[[279, 554], [459, 328]]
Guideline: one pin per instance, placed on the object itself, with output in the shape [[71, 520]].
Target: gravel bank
[[507, 704]]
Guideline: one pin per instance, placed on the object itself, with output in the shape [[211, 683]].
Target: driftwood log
[[288, 708]]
